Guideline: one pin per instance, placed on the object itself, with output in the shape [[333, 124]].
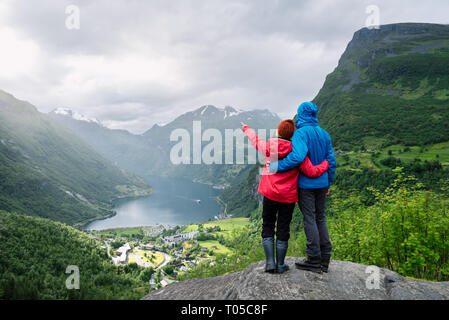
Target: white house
[[123, 251], [164, 283]]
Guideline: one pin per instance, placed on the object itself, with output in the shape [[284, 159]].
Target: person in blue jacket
[[309, 139]]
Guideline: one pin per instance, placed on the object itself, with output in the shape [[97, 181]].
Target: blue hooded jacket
[[310, 140]]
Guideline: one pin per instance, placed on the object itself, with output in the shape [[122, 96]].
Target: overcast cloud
[[136, 63]]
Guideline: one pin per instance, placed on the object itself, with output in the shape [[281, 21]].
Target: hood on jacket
[[279, 148], [307, 115]]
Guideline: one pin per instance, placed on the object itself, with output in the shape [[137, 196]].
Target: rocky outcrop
[[345, 281]]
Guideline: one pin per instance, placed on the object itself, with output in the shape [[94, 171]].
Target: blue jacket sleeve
[[330, 157], [294, 158]]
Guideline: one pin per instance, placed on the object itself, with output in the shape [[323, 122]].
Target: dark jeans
[[282, 212], [312, 203]]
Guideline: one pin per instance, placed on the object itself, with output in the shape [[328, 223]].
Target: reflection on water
[[174, 202]]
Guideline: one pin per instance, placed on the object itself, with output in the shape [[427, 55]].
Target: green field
[[439, 151], [356, 160], [155, 262], [119, 232], [214, 246], [227, 226]]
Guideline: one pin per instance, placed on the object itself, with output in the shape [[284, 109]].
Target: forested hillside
[[34, 255], [47, 170]]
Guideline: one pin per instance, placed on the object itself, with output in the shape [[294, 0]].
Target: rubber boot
[[310, 264], [281, 251], [268, 247]]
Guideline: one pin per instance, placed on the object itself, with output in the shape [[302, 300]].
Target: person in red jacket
[[279, 191]]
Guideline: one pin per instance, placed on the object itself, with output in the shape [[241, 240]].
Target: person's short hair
[[286, 128]]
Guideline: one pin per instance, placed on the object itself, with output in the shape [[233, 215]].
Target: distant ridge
[[149, 153]]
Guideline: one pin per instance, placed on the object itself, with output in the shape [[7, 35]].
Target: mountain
[[46, 170], [345, 281], [149, 153], [126, 150], [75, 115], [218, 118], [211, 117], [34, 255], [390, 87]]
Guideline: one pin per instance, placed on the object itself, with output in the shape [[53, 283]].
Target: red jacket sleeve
[[258, 143], [312, 171]]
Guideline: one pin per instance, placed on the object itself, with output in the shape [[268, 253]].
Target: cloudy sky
[[135, 63]]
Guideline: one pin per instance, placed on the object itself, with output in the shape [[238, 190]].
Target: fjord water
[[174, 202]]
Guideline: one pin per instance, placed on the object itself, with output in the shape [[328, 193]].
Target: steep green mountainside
[[34, 255], [242, 198], [390, 87], [47, 170], [149, 153], [122, 148]]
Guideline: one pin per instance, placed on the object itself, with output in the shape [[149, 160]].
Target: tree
[[146, 274], [169, 269]]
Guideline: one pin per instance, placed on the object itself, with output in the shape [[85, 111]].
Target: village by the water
[[169, 250]]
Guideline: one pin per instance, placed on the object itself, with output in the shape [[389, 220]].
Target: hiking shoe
[[309, 264], [325, 265]]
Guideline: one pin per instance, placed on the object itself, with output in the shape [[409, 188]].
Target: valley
[[74, 192], [46, 170], [134, 152]]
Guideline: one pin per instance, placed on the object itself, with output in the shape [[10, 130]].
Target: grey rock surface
[[345, 281]]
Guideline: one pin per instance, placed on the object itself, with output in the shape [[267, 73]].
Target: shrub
[[407, 231]]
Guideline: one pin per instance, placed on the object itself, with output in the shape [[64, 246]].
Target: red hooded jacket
[[281, 187]]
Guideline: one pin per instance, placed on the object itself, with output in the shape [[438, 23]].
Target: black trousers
[[279, 212], [312, 203]]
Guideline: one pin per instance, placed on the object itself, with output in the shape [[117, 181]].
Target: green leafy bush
[[407, 230]]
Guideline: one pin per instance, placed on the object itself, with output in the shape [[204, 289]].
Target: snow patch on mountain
[[227, 111], [75, 115], [204, 110], [231, 112]]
